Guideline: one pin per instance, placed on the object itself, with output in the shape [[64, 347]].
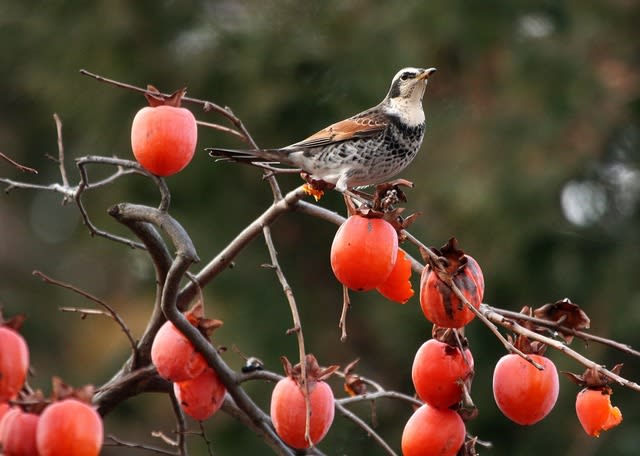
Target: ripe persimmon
[[19, 434], [201, 396], [289, 409], [14, 363], [71, 428], [164, 136], [595, 412], [363, 252], [439, 303], [438, 371], [433, 432], [523, 393], [174, 355]]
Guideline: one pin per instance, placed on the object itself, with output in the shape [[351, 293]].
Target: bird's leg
[[315, 187], [359, 196]]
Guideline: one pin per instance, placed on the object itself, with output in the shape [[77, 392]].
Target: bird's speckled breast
[[386, 155]]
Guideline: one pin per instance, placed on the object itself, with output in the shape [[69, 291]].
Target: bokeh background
[[531, 160]]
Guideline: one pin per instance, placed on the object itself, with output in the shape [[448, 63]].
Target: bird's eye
[[405, 76]]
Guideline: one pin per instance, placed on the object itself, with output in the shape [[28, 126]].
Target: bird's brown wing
[[368, 123]]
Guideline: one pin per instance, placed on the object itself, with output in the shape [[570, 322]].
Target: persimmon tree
[[176, 345]]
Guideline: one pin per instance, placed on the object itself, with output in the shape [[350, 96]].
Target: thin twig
[[223, 129], [207, 105], [297, 328], [66, 192], [414, 240], [346, 303], [379, 395], [23, 168], [205, 438], [365, 427], [63, 171], [567, 330], [121, 164], [181, 426], [110, 311], [115, 441]]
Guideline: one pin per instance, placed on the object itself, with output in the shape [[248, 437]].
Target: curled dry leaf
[[61, 390], [451, 260], [451, 336], [528, 346], [389, 194], [593, 378], [31, 402], [383, 205], [566, 314], [155, 98], [354, 385], [196, 317], [14, 322], [314, 372]]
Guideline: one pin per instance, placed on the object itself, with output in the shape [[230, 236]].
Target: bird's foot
[[315, 187]]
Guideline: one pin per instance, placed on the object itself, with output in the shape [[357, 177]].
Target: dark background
[[530, 159]]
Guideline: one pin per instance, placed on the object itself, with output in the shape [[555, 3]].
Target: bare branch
[[205, 438], [129, 384], [161, 259], [566, 330], [63, 171], [297, 328], [121, 164], [66, 192], [181, 425], [112, 440], [365, 427], [23, 168], [346, 304], [207, 105], [379, 395], [110, 311], [223, 129]]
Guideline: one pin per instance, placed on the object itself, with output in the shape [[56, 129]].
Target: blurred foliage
[[531, 160]]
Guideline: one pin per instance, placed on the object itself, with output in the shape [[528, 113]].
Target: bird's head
[[410, 83], [405, 95]]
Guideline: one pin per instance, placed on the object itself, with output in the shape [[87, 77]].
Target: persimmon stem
[[346, 303]]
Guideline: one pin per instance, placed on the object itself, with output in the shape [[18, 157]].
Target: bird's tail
[[250, 156]]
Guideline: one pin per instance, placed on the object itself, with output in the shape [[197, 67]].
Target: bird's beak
[[425, 74]]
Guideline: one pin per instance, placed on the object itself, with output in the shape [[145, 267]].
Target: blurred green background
[[531, 160]]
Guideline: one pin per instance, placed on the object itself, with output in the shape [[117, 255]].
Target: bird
[[368, 148]]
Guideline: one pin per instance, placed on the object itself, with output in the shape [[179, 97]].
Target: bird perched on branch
[[366, 149]]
